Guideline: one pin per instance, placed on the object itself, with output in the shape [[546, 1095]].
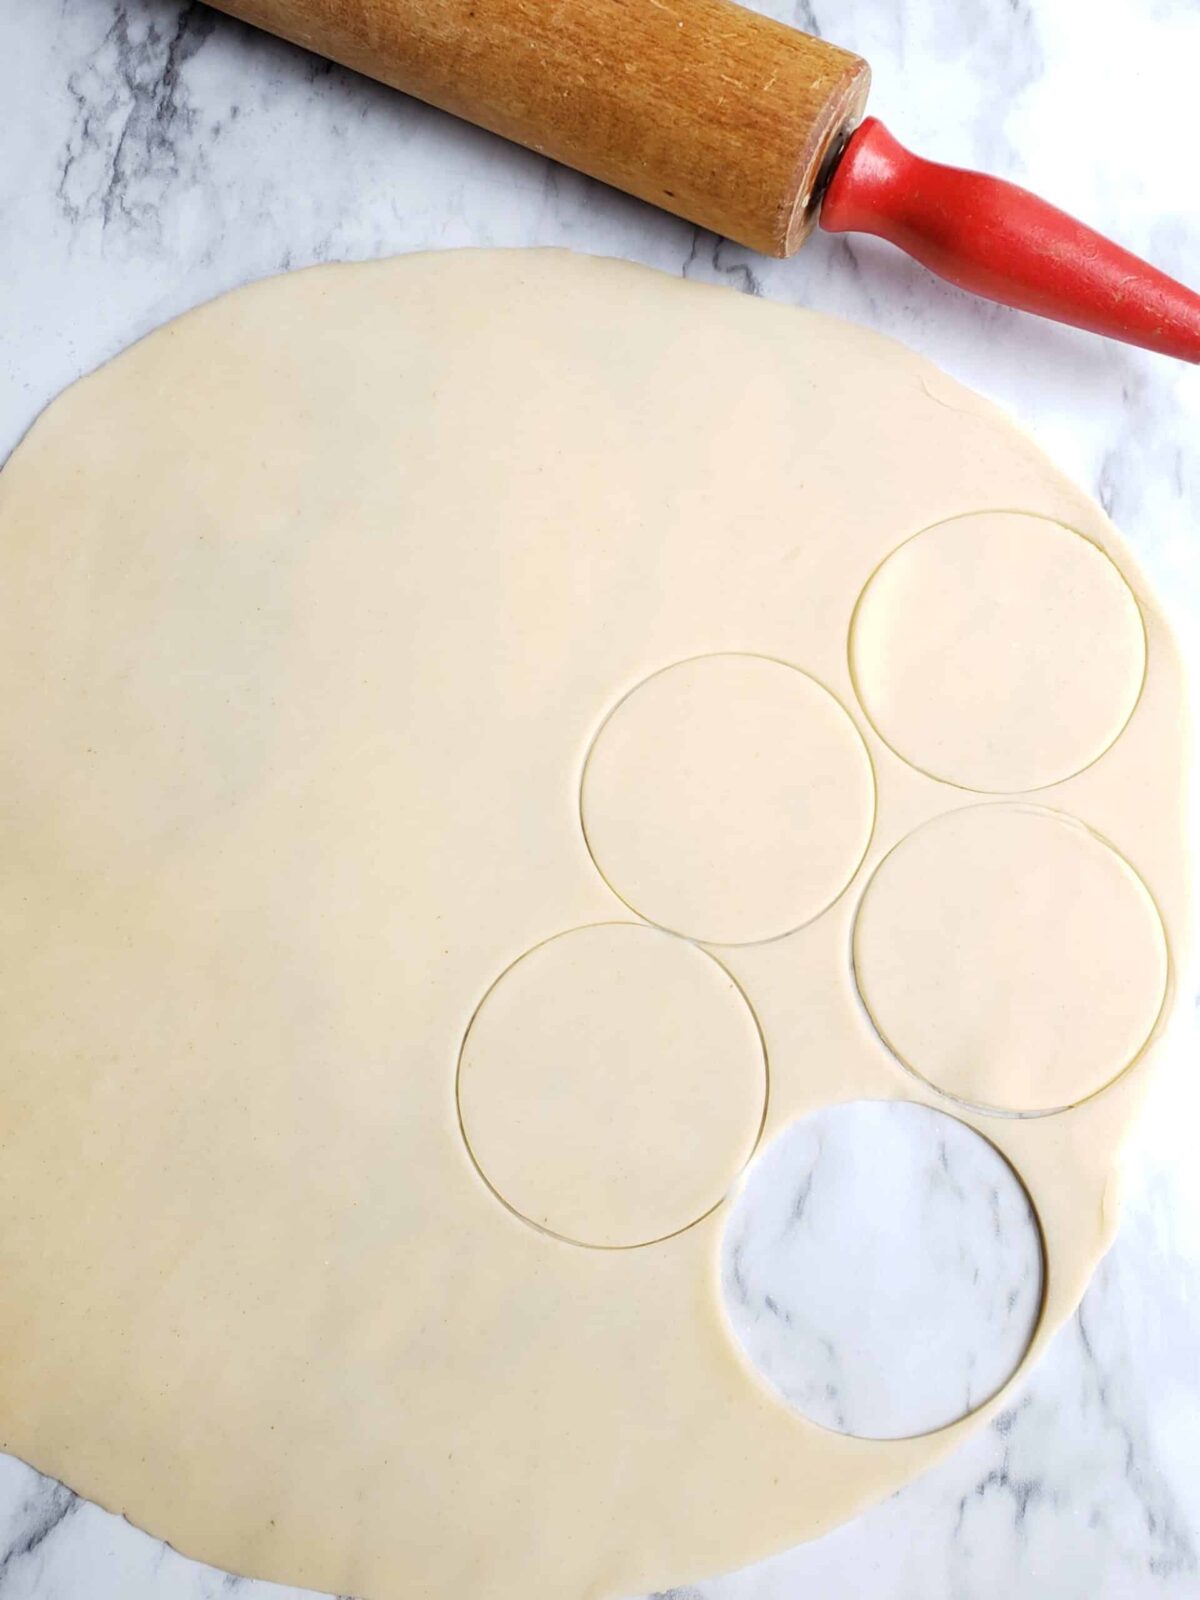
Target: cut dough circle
[[729, 798], [883, 1268], [315, 602], [1010, 957], [580, 1067], [999, 651]]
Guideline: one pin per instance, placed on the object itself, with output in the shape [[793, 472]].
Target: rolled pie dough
[[407, 667]]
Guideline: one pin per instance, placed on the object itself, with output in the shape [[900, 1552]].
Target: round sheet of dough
[[581, 1065], [998, 651], [729, 798], [315, 603], [1010, 957]]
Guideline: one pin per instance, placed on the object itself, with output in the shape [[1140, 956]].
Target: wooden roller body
[[710, 111]]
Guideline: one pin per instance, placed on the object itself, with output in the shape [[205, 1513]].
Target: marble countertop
[[155, 154]]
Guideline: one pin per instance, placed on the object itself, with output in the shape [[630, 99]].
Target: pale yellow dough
[[1000, 651], [1011, 957], [730, 798], [315, 604], [639, 1037]]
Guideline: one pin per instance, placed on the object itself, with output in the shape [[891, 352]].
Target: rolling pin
[[741, 125]]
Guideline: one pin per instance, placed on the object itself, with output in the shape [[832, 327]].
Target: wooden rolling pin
[[741, 125]]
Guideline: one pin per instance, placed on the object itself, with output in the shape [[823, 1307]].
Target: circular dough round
[[998, 651], [728, 798], [581, 1066], [314, 604], [1010, 957]]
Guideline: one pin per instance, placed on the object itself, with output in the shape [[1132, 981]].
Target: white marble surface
[[882, 1268], [154, 154]]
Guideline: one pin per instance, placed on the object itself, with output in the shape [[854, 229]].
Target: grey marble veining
[[155, 154], [883, 1269]]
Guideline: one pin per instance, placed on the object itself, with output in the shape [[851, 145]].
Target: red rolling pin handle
[[1003, 243]]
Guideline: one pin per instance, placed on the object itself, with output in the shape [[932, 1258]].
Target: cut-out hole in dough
[[612, 1085], [1010, 957], [998, 651], [883, 1269], [729, 798]]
